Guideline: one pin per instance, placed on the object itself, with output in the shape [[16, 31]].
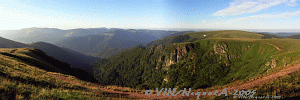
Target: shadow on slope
[[41, 60], [75, 59]]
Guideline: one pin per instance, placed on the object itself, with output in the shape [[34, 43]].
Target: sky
[[147, 14]]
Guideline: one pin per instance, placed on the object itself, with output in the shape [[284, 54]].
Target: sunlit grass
[[22, 81], [285, 52]]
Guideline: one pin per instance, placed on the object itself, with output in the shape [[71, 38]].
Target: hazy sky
[[213, 14]]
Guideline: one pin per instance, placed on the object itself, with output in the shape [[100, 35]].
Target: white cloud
[[268, 16], [238, 7], [262, 21], [292, 3]]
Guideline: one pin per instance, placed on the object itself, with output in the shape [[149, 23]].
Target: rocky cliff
[[182, 52], [196, 64]]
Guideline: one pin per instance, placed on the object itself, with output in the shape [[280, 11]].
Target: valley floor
[[246, 86]]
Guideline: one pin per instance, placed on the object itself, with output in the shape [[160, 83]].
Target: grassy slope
[[287, 87], [194, 36], [287, 55], [26, 75], [225, 34], [250, 63]]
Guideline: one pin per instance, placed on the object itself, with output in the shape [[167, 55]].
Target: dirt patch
[[66, 79], [262, 80], [273, 46], [12, 51]]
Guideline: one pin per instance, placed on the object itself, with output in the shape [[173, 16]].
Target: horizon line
[[172, 29]]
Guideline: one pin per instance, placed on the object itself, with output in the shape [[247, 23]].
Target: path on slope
[[273, 46], [285, 71], [13, 51]]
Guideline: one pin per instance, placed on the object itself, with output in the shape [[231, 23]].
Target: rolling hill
[[194, 36], [6, 43], [28, 73], [75, 59]]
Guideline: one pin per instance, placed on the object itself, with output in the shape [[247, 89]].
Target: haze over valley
[[89, 50]]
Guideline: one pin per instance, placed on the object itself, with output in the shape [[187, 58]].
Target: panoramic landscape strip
[[149, 50]]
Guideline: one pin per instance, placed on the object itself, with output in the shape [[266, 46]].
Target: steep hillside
[[82, 57], [38, 58], [92, 44], [108, 52], [5, 43], [219, 58], [97, 45], [75, 59]]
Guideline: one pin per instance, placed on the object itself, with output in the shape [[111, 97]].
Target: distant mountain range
[[81, 47], [113, 40], [89, 41], [53, 35], [49, 35], [281, 34]]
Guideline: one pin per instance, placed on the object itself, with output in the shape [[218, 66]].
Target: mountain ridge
[[117, 39], [54, 51]]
